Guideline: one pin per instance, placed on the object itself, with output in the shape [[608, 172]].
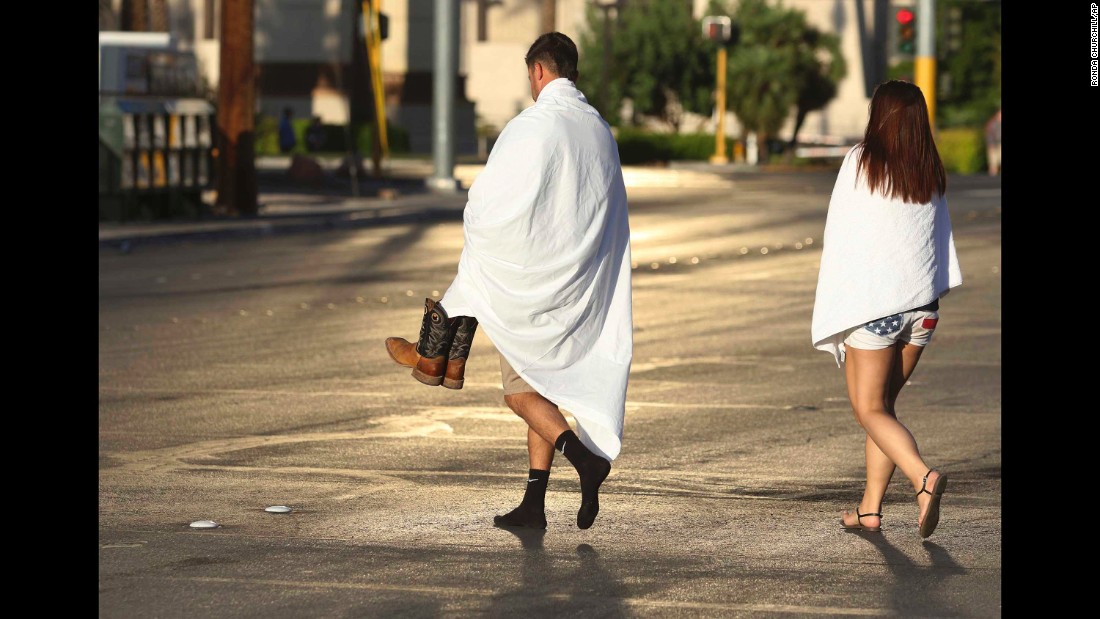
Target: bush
[[696, 146], [267, 137], [640, 147], [637, 147], [962, 150], [397, 136]]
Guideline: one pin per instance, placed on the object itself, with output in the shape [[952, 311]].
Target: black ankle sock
[[530, 512], [593, 470]]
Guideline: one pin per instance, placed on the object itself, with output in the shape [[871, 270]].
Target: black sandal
[[859, 525], [932, 518]]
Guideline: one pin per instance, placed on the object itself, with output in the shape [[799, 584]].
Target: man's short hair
[[556, 52]]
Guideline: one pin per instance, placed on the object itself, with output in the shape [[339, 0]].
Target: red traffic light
[[717, 28], [904, 16]]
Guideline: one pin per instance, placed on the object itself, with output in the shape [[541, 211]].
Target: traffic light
[[717, 29], [907, 31]]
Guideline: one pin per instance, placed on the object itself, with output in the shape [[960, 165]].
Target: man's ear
[[537, 71]]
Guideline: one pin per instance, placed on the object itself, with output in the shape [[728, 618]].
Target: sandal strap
[[924, 483], [859, 516]]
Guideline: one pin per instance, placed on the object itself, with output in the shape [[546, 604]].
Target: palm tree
[[236, 179], [158, 16], [135, 15], [821, 67], [549, 14]]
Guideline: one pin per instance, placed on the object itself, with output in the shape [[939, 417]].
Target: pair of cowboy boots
[[439, 356]]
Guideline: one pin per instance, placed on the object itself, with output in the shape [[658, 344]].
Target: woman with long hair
[[888, 257]]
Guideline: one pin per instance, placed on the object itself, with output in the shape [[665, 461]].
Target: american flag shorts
[[915, 327]]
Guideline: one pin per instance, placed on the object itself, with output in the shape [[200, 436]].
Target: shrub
[[641, 147], [637, 147], [398, 138], [267, 137], [962, 150], [696, 146]]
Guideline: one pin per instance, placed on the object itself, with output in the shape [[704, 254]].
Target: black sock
[[530, 512], [593, 470]]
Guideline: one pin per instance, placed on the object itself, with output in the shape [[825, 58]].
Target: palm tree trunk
[[799, 119], [135, 15], [549, 16], [158, 16], [236, 112]]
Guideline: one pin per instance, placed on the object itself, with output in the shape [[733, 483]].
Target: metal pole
[[443, 96], [924, 66], [720, 133], [380, 148]]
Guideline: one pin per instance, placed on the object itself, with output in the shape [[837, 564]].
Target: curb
[[269, 225]]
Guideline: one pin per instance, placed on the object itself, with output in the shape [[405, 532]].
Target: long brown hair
[[899, 154]]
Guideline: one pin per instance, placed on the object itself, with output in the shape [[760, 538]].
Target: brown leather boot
[[428, 357], [460, 351]]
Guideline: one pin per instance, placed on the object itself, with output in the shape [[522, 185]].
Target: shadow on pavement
[[552, 585], [917, 589]]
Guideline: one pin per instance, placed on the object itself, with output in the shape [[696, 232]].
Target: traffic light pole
[[443, 96], [372, 11], [718, 29], [720, 94], [924, 66]]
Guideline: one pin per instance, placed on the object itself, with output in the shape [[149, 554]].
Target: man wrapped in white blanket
[[545, 270]]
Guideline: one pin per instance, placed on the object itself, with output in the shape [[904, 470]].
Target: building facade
[[305, 54], [496, 36]]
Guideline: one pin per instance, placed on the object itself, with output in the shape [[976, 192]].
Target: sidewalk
[[401, 195], [286, 206]]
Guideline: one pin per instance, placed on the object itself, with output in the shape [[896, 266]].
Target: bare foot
[[924, 498], [850, 520], [934, 486]]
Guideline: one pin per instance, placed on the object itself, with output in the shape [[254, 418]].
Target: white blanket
[[881, 256], [546, 264]]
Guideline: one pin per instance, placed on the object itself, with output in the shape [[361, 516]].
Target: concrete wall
[[496, 75], [846, 115]]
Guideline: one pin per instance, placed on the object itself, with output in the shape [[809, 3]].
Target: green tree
[[658, 60], [780, 63], [761, 77], [820, 68], [968, 42]]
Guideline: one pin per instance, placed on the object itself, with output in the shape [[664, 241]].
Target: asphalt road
[[237, 374]]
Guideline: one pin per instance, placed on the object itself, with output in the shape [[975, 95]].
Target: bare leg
[[880, 468], [872, 388], [539, 451], [542, 416], [545, 419], [905, 362]]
